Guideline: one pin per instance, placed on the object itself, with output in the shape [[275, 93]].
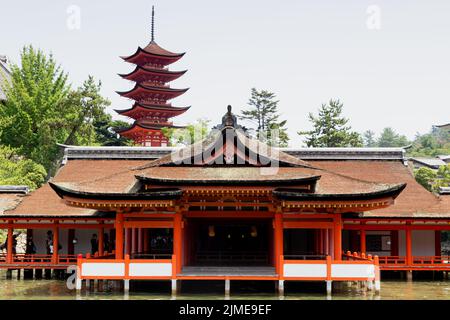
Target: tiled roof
[[45, 202], [433, 163], [414, 201]]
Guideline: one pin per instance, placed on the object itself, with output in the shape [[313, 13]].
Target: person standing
[[94, 244]]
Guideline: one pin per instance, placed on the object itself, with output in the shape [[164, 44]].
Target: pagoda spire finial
[[153, 23]]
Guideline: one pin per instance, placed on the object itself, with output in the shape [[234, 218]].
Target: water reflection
[[390, 290]]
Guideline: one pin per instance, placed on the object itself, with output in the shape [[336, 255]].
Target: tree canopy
[[264, 117], [33, 113], [41, 110], [16, 170], [432, 180], [330, 128], [193, 132]]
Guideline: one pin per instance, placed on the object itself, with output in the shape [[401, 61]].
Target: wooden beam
[[307, 225], [148, 224]]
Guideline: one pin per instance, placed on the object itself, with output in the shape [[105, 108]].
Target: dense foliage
[[432, 180], [192, 133], [16, 170], [42, 111]]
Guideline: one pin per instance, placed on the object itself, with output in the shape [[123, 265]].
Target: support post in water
[[174, 287], [227, 287], [281, 287]]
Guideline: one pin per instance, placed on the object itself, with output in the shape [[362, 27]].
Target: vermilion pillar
[[177, 239], [119, 235], [278, 238], [55, 243], [146, 240], [100, 241], [337, 233], [9, 246], [408, 245], [437, 242], [394, 243], [362, 241]]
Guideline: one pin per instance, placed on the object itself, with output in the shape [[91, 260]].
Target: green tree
[[369, 139], [15, 170], [33, 113], [84, 107], [434, 143], [330, 128], [264, 116], [192, 133], [390, 138], [425, 176], [431, 179], [105, 134], [442, 177]]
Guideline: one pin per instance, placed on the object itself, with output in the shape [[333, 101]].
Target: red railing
[[22, 258], [392, 260], [401, 261], [432, 260]]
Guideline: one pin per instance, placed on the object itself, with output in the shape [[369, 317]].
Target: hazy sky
[[388, 61]]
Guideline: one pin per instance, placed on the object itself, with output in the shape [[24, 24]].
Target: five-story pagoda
[[151, 93]]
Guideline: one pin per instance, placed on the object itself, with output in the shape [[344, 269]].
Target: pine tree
[[390, 138], [369, 139], [264, 116], [330, 128]]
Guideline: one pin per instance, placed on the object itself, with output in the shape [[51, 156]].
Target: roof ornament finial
[[153, 23], [229, 119]]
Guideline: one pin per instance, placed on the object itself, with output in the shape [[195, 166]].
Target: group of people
[[30, 247], [108, 246]]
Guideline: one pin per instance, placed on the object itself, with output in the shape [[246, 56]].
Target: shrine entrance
[[224, 242]]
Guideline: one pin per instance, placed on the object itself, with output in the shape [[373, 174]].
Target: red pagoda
[[151, 93]]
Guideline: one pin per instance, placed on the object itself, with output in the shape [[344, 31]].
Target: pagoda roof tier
[[142, 92], [139, 128], [139, 111], [143, 73], [153, 54]]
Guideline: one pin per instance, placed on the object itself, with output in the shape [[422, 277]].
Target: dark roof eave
[[166, 90], [227, 182], [293, 196], [158, 194], [165, 72], [168, 57]]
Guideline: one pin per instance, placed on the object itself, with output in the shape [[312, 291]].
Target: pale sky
[[387, 61]]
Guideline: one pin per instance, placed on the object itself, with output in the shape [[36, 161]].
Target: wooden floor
[[244, 271]]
